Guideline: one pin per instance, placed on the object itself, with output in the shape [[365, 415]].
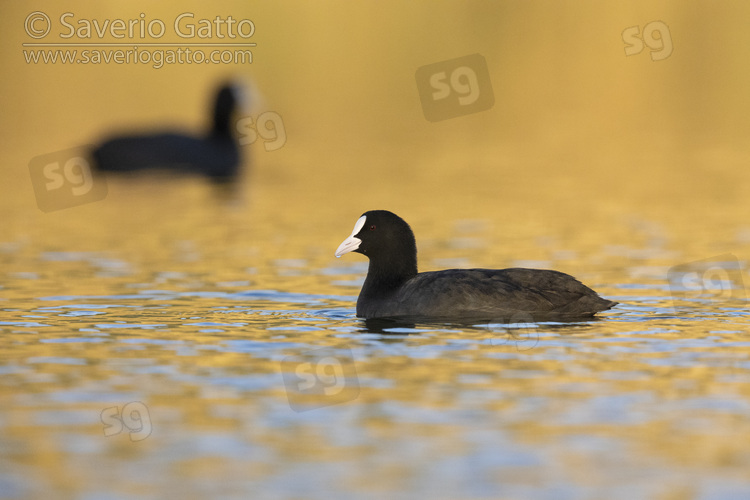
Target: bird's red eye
[[372, 228]]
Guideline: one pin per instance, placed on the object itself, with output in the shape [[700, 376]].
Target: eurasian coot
[[215, 155], [394, 289]]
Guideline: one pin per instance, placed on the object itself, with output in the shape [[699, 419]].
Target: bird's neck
[[223, 111], [221, 125], [386, 275]]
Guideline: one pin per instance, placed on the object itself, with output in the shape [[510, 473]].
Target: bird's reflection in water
[[522, 331], [389, 326]]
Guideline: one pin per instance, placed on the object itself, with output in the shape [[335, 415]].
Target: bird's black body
[[501, 294], [215, 155], [394, 288]]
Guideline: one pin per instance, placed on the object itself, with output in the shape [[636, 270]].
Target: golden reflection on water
[[612, 168]]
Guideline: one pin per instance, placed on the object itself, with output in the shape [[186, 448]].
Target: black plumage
[[215, 155], [394, 288]]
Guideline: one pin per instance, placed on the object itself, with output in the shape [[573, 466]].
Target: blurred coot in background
[[215, 154]]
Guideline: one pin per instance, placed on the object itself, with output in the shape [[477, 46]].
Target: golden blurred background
[[577, 127]]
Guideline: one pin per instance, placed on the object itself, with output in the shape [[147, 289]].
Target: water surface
[[228, 361]]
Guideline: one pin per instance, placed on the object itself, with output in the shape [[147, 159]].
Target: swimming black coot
[[394, 288], [215, 155]]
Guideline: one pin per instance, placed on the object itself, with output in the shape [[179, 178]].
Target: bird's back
[[216, 157], [507, 295]]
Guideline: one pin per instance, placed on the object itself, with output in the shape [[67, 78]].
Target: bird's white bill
[[352, 242]]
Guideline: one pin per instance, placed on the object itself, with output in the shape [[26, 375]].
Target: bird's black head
[[386, 239], [227, 102]]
